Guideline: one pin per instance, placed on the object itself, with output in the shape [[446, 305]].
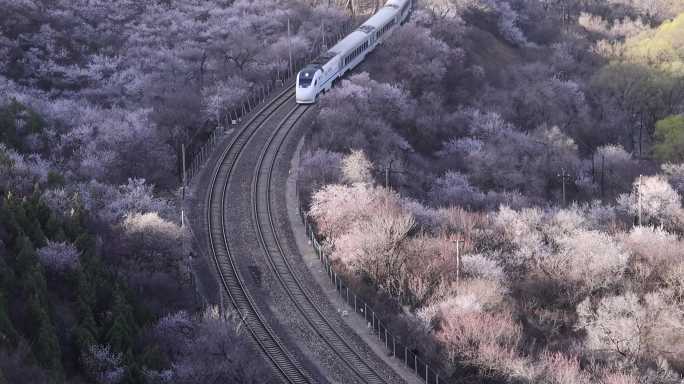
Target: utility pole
[[388, 169], [639, 200], [458, 242], [603, 171], [183, 186], [563, 175], [325, 46], [218, 112], [289, 45], [184, 174]]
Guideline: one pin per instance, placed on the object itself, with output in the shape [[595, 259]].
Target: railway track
[[284, 363], [280, 117], [276, 256]]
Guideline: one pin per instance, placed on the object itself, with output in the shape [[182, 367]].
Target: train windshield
[[304, 82], [306, 75]]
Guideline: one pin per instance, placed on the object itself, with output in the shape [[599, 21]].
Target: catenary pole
[[289, 44]]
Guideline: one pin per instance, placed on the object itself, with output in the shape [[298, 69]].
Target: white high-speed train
[[318, 76]]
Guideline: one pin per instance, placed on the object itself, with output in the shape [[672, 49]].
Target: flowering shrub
[[59, 256]]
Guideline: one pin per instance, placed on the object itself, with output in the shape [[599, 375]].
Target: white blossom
[[59, 256]]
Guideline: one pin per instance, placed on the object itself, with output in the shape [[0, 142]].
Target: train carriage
[[319, 75]]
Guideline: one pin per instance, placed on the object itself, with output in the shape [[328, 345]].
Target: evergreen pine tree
[[37, 323], [10, 230], [35, 232], [86, 332], [53, 227], [123, 329], [134, 375], [36, 208], [26, 258], [28, 223], [45, 344], [8, 335]]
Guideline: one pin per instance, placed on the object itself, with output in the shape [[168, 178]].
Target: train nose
[[305, 95]]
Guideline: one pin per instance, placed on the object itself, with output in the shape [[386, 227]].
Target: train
[[318, 76]]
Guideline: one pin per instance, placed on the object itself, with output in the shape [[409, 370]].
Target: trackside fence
[[376, 325], [233, 116]]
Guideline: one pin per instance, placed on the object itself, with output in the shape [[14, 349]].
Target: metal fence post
[[339, 286]]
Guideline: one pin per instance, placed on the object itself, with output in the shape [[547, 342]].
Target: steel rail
[[275, 254], [282, 360]]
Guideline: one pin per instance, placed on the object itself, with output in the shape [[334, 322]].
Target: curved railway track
[[282, 360], [275, 254], [280, 117]]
